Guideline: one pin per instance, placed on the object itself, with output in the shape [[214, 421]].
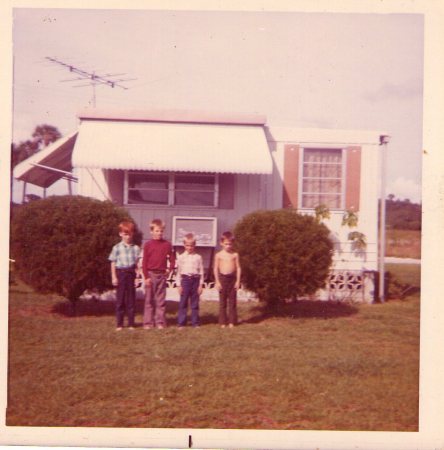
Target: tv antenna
[[92, 78]]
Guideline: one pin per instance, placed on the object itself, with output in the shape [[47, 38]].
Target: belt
[[227, 275], [194, 275], [126, 269], [156, 271]]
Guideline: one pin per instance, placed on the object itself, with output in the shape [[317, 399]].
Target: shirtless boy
[[227, 273]]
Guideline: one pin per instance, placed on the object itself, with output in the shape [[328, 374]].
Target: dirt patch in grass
[[403, 243]]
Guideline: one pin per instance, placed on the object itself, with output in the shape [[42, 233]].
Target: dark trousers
[[227, 295], [190, 286], [125, 296]]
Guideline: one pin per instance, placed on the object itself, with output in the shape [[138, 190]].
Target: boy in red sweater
[[158, 262]]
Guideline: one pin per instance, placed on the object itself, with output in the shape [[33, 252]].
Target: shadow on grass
[[295, 310], [303, 309], [99, 308]]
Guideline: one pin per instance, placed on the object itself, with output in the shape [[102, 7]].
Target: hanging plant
[[350, 219], [321, 212], [358, 239]]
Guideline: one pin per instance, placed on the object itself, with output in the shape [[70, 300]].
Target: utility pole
[[92, 78]]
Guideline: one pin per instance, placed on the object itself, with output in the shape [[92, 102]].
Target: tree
[[22, 151], [402, 214], [44, 135], [283, 254], [61, 244]]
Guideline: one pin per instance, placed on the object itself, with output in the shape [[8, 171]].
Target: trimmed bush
[[283, 254], [61, 244]]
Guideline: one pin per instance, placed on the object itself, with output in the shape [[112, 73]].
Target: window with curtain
[[322, 178], [174, 189]]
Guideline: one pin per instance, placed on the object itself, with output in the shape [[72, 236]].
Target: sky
[[322, 70]]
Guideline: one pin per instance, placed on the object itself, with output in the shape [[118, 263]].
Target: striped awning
[[47, 166], [172, 146]]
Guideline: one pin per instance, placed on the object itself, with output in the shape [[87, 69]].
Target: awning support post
[[24, 192]]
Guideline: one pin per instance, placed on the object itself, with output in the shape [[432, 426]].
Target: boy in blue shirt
[[124, 259]]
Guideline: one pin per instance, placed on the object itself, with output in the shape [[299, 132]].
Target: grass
[[403, 243], [313, 366]]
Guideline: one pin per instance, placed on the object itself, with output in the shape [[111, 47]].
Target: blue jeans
[[190, 286], [125, 296]]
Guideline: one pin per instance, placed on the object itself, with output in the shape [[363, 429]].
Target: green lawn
[[314, 366]]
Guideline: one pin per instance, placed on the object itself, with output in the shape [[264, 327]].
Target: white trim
[[344, 178], [322, 136], [301, 173], [216, 190], [171, 189]]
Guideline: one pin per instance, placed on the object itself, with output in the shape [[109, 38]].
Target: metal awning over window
[[47, 166], [188, 147]]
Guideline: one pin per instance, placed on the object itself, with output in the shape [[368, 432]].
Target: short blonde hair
[[189, 238], [157, 223]]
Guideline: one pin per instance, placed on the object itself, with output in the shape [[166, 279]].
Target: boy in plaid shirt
[[124, 259]]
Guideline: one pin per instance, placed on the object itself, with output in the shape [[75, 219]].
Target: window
[[322, 180], [148, 188], [180, 189], [197, 190]]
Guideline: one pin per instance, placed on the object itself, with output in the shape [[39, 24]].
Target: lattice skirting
[[342, 286], [349, 285]]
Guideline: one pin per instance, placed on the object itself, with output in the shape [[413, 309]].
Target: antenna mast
[[92, 77]]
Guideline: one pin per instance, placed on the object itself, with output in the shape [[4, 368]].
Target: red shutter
[[353, 178], [291, 170]]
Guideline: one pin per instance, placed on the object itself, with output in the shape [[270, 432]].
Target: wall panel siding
[[115, 185], [92, 183], [226, 190], [368, 208]]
